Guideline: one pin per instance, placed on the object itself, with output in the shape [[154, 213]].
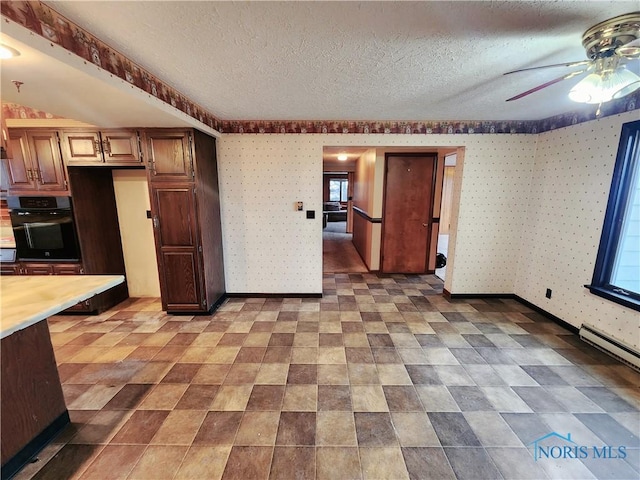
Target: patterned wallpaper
[[570, 188], [46, 22], [13, 110], [271, 248]]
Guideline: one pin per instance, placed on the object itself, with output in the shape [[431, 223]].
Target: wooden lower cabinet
[[37, 269], [186, 221], [182, 279], [31, 399], [10, 269]]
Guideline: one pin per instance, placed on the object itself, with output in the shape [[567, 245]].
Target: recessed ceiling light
[[342, 157], [7, 52]]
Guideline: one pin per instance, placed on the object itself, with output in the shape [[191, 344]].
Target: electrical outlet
[[548, 294]]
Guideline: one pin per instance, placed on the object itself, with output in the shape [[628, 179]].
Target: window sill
[[615, 297]]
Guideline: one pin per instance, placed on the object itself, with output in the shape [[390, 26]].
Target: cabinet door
[[37, 269], [170, 155], [121, 147], [177, 247], [174, 209], [67, 269], [81, 148], [9, 269], [19, 169], [46, 159], [180, 276]]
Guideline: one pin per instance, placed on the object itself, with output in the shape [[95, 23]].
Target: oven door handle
[[44, 213]]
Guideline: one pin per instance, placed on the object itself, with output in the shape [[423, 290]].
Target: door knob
[[425, 224]]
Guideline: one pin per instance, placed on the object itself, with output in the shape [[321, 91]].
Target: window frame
[[628, 159], [341, 181]]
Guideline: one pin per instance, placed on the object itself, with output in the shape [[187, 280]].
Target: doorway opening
[[445, 210], [339, 255]]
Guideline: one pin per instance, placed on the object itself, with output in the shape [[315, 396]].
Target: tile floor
[[381, 378]]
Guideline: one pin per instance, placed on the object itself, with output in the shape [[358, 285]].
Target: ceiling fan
[[610, 46]]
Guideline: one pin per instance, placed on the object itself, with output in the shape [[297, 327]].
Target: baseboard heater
[[600, 340]]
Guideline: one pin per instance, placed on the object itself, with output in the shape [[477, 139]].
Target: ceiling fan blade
[[566, 64], [545, 85]]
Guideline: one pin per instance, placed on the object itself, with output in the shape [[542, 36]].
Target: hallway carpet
[[382, 378]]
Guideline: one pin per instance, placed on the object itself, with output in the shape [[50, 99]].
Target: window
[[617, 271], [338, 188]]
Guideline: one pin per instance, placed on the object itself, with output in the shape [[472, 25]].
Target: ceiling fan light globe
[[587, 90], [620, 80], [626, 90], [599, 88]]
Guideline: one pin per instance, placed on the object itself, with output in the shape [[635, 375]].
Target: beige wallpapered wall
[[570, 188], [270, 248]]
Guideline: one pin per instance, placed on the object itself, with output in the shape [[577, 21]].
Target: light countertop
[[25, 300], [6, 234]]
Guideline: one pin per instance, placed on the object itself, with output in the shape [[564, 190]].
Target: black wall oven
[[43, 228]]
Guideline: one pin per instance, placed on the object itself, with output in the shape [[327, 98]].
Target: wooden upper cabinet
[[170, 155], [46, 160], [81, 148], [121, 147], [18, 165], [36, 163], [104, 147]]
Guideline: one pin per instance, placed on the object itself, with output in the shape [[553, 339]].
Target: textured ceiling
[[432, 60], [440, 60]]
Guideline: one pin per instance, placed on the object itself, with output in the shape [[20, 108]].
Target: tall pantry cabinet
[[185, 207]]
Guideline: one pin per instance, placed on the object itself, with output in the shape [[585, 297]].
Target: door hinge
[[140, 147], [204, 302], [200, 248]]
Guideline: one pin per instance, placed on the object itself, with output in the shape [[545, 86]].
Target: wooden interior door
[[351, 179], [407, 212]]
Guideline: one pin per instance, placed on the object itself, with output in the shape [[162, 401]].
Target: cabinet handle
[[106, 146], [29, 174], [39, 176], [97, 146]]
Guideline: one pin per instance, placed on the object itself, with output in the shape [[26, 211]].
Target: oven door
[[45, 235]]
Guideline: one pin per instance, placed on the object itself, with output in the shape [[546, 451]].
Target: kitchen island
[[31, 398]]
